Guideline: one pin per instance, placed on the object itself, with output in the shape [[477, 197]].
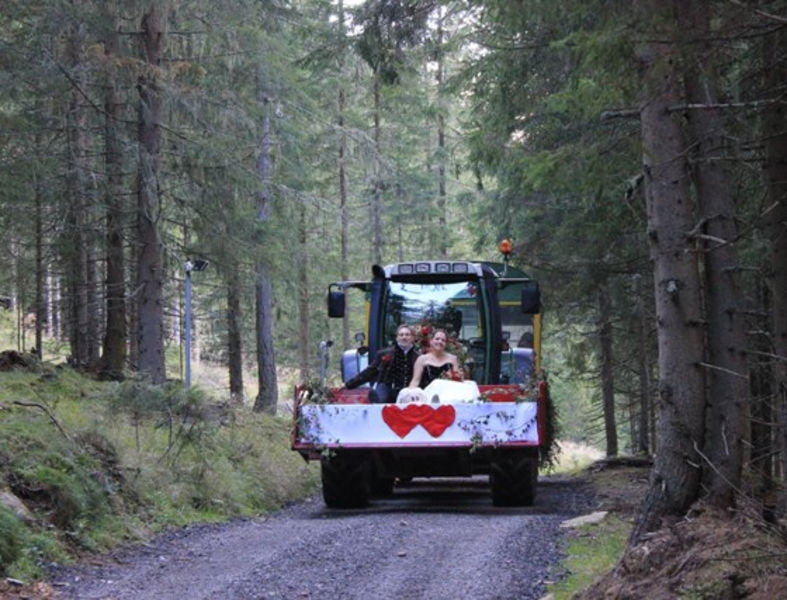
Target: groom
[[391, 369]]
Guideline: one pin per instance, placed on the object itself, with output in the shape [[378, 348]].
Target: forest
[[635, 153]]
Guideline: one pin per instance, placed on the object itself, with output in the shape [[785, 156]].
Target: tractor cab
[[489, 311]]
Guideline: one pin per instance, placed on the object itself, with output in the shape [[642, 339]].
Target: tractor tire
[[345, 481], [512, 479], [382, 486]]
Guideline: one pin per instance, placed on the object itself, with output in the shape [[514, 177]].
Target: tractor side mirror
[[335, 304]]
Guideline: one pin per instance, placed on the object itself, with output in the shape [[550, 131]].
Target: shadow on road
[[555, 495]]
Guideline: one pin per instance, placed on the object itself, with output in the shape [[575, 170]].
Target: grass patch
[[591, 551], [100, 463]]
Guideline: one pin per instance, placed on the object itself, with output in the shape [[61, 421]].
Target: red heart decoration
[[434, 420], [439, 420]]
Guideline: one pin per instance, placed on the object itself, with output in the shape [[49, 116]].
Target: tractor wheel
[[513, 479], [382, 486], [345, 481]]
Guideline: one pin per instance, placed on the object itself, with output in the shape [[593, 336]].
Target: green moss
[[591, 551]]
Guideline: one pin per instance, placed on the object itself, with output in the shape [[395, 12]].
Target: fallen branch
[[48, 414], [716, 470]]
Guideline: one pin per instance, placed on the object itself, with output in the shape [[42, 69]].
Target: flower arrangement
[[452, 375], [423, 337]]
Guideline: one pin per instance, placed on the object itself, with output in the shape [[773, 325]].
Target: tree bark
[[607, 373], [304, 335], [133, 310], [727, 371], [115, 332], [775, 133], [377, 202], [267, 396], [441, 151], [643, 367], [675, 480], [763, 413], [234, 338], [344, 211], [150, 304], [77, 237], [39, 269], [94, 309]]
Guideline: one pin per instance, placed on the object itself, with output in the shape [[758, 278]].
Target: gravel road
[[433, 539]]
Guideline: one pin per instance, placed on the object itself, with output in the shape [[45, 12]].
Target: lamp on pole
[[197, 265]]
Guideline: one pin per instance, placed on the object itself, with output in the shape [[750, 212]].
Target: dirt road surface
[[433, 539]]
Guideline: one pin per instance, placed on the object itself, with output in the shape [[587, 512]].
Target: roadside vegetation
[[86, 465], [708, 554], [592, 550]]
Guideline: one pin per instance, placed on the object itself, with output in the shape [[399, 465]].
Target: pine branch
[[619, 113], [724, 105], [762, 13]]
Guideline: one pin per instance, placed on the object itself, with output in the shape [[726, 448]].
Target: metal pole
[[189, 266]]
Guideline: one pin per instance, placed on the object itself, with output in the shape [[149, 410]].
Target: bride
[[431, 365]]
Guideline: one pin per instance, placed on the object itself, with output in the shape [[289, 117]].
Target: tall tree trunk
[[727, 375], [133, 311], [775, 128], [377, 202], [234, 338], [400, 200], [39, 268], [643, 371], [150, 267], [94, 310], [675, 480], [267, 396], [21, 296], [441, 151], [78, 280], [53, 304], [115, 332], [343, 207], [607, 376], [304, 335], [762, 408], [344, 214]]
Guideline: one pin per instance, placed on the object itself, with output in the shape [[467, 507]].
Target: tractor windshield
[[454, 307]]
